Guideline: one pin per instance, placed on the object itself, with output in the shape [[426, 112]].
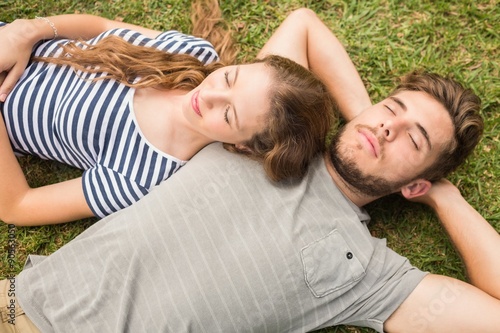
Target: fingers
[[8, 80], [2, 79]]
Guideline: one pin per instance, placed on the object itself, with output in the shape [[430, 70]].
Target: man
[[220, 248]]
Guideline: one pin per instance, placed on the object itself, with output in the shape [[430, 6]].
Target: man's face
[[388, 145]]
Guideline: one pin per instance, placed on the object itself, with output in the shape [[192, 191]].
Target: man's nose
[[390, 129]]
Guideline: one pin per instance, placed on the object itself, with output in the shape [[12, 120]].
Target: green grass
[[386, 38]]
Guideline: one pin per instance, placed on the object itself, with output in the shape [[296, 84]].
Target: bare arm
[[444, 304], [22, 205], [84, 26], [304, 38], [441, 304], [17, 40], [477, 242]]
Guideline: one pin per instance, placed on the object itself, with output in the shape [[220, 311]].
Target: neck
[[159, 114], [358, 198]]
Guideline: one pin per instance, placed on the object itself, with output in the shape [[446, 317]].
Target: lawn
[[386, 39]]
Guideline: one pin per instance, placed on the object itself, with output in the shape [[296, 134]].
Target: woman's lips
[[195, 104]]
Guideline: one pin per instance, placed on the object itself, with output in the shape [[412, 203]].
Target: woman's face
[[231, 104]]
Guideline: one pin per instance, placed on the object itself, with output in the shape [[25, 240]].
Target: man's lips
[[195, 104], [370, 141]]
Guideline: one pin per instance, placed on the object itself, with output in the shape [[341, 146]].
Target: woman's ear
[[416, 188], [243, 148]]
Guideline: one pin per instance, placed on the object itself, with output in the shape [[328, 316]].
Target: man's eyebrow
[[420, 127], [425, 134], [234, 108], [399, 102]]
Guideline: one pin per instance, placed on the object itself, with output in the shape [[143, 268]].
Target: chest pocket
[[330, 266]]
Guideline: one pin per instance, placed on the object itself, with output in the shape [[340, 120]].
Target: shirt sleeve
[[176, 42], [171, 41], [108, 191]]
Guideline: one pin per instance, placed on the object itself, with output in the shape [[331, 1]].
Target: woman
[[110, 107]]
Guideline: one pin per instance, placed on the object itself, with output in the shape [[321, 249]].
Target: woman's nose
[[213, 96]]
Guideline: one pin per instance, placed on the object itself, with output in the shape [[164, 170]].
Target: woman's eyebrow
[[236, 74]]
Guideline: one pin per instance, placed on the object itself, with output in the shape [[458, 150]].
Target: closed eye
[[226, 119], [231, 107], [411, 138], [413, 141], [388, 108], [226, 77]]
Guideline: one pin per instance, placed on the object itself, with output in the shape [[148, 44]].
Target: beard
[[358, 181]]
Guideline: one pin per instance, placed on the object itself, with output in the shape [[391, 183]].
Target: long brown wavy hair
[[300, 116], [302, 113], [208, 24], [125, 62]]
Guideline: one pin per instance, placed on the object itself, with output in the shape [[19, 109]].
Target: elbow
[[16, 210], [16, 223], [4, 216], [303, 13], [304, 17], [9, 221], [11, 218]]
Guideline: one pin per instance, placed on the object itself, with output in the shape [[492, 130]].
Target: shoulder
[[171, 41], [177, 42]]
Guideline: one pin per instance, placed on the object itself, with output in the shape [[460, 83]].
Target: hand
[[2, 77], [442, 189], [14, 54]]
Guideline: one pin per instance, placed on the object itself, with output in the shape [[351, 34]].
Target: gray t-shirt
[[220, 248]]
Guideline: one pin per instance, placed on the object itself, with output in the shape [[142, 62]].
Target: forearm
[[330, 61], [474, 238], [66, 26], [19, 37], [73, 26], [13, 184], [304, 38], [23, 205]]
